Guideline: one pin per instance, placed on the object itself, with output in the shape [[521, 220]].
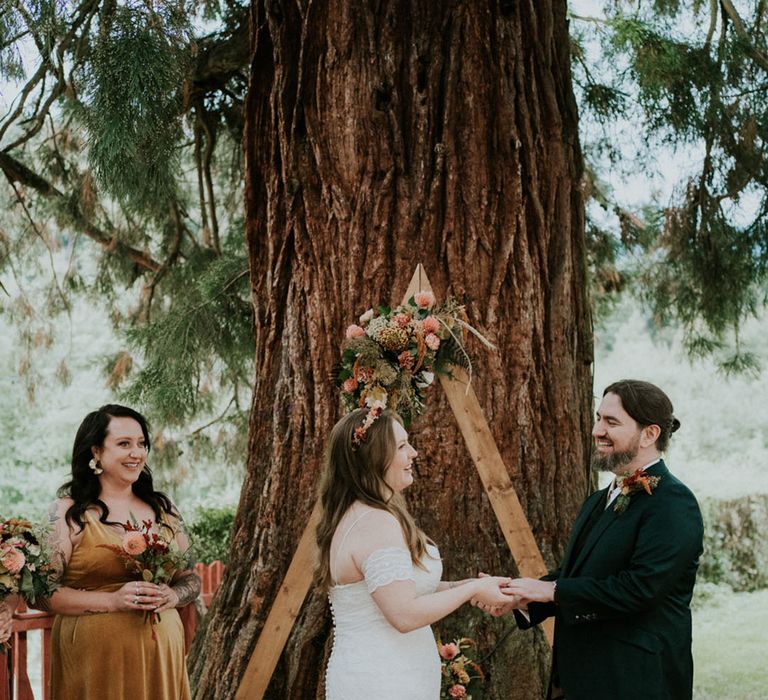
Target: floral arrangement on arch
[[392, 355], [461, 676], [26, 561]]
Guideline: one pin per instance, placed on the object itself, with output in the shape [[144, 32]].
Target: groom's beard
[[616, 460]]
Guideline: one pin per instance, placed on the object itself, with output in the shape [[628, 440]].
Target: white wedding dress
[[371, 660]]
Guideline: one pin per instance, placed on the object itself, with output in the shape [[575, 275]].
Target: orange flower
[[134, 543]]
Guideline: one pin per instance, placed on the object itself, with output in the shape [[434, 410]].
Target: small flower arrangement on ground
[[150, 556], [634, 483], [392, 356], [461, 675], [26, 567]]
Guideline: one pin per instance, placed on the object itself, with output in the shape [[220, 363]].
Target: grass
[[730, 645]]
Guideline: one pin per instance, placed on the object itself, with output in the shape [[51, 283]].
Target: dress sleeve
[[384, 566]]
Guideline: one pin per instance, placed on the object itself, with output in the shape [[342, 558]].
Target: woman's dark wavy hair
[[84, 488]]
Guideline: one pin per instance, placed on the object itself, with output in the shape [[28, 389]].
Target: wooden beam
[[286, 608], [490, 466]]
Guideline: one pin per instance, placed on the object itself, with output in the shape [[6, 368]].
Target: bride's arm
[[445, 585], [394, 593]]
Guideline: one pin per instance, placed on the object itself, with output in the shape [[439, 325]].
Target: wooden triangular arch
[[501, 494]]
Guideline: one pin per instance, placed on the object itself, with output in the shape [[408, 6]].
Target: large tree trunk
[[379, 135]]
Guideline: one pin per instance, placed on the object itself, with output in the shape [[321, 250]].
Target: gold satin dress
[[113, 656]]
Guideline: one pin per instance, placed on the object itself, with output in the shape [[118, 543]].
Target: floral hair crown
[[374, 412]]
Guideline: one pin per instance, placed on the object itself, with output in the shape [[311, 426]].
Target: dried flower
[[393, 339], [424, 300], [431, 324], [457, 691], [449, 651], [405, 360], [354, 331], [350, 385], [367, 316], [12, 560], [432, 341]]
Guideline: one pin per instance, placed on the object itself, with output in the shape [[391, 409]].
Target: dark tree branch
[[18, 172]]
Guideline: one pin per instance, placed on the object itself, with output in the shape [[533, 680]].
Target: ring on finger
[[135, 600]]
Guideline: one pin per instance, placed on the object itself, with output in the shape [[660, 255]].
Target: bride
[[381, 571]]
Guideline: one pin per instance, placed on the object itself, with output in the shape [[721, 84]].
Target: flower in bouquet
[[149, 555], [392, 355], [26, 561], [461, 675]]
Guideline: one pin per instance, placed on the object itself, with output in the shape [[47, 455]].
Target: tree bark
[[379, 135]]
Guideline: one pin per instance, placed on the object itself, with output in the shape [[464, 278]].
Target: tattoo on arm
[[53, 513], [94, 612], [187, 588]]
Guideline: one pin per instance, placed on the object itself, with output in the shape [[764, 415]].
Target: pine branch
[[759, 56], [18, 172]]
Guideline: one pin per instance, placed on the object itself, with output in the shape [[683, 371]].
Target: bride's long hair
[[356, 473]]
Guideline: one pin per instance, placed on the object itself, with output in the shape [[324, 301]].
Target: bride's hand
[[490, 592]]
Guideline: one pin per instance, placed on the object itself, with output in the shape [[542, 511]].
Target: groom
[[621, 595]]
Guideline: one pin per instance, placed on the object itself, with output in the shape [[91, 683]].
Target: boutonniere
[[634, 483]]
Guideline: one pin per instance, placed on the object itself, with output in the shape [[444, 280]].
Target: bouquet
[[461, 676], [392, 356], [149, 556], [26, 567]]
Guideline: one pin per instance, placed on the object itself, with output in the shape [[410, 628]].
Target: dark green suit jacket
[[622, 616]]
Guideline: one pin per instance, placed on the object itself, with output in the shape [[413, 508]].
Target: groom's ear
[[649, 434]]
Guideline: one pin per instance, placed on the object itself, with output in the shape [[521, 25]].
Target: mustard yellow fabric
[[113, 655]]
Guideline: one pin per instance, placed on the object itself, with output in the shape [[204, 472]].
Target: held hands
[[491, 594], [518, 593], [140, 595]]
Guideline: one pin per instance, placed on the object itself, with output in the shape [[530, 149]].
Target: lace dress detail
[[370, 658], [387, 565]]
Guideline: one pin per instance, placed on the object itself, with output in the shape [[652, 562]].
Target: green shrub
[[209, 532], [736, 542]]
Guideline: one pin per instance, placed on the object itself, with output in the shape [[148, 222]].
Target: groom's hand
[[529, 590]]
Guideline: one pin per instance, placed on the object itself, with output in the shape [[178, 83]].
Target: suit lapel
[[596, 500], [608, 518]]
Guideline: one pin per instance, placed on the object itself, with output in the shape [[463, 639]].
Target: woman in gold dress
[[104, 646]]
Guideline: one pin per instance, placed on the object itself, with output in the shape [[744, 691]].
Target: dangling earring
[[95, 466]]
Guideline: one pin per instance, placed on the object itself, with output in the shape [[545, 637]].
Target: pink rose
[[134, 543], [449, 651], [355, 331], [424, 300], [432, 341], [349, 385], [457, 691], [431, 324], [13, 560]]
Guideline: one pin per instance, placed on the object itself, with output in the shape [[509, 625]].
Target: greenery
[[736, 542], [209, 531]]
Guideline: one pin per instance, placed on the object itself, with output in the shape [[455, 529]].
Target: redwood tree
[[379, 135]]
